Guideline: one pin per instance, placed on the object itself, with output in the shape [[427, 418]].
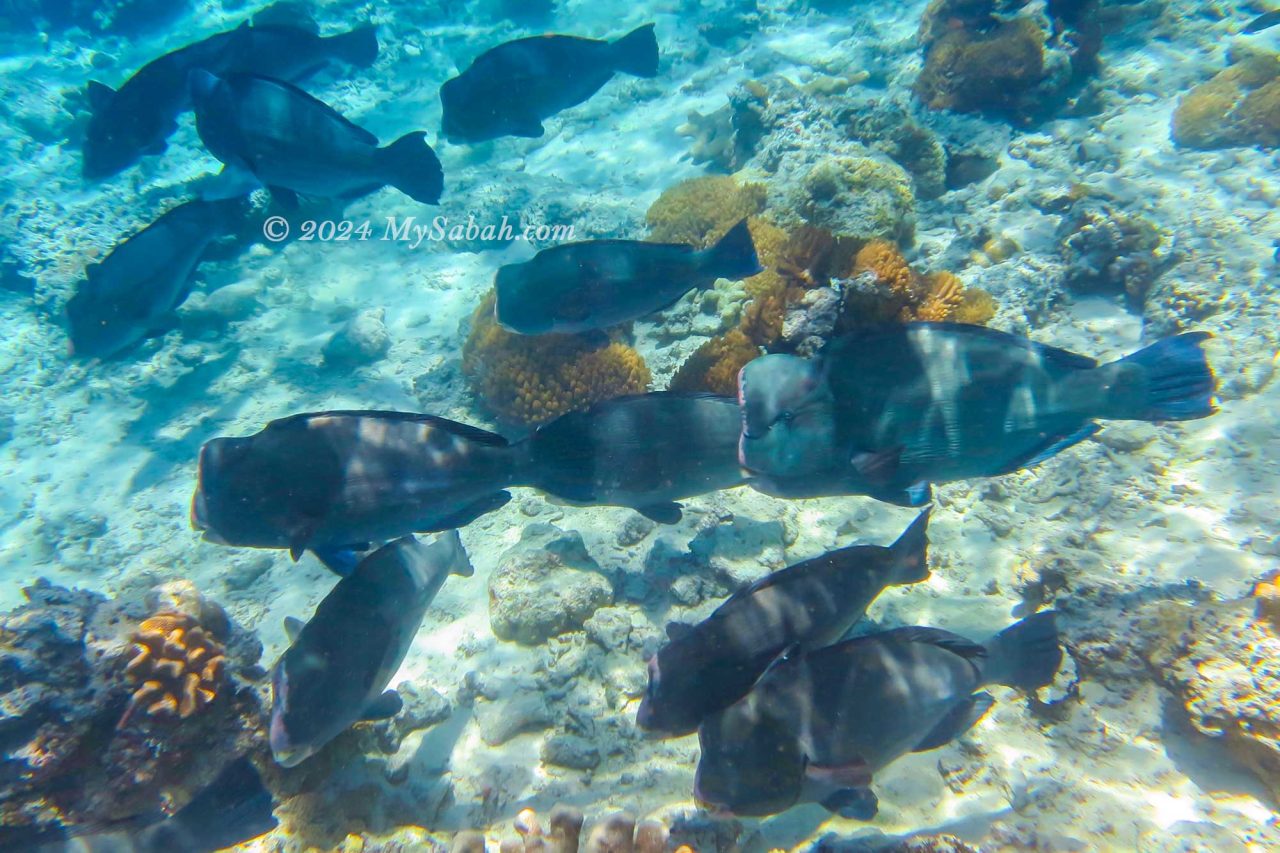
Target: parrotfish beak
[[283, 750]]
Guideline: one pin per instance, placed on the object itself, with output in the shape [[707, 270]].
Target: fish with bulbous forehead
[[887, 411], [509, 89], [339, 663], [819, 724], [132, 293], [708, 666], [644, 451], [337, 482], [594, 284]]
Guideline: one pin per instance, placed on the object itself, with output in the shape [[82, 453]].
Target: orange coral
[[889, 266], [531, 380], [976, 307], [700, 211], [945, 293], [903, 295], [714, 366], [177, 665]]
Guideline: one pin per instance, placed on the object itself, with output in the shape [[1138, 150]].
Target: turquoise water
[[1096, 177]]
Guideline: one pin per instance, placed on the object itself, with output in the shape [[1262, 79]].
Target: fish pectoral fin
[[528, 126], [299, 539], [958, 720], [853, 774], [340, 561], [664, 513], [853, 803], [878, 466], [1052, 447], [293, 628], [287, 198], [676, 630], [386, 705], [913, 496], [470, 512]]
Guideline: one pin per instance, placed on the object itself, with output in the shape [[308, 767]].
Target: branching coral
[[714, 366], [177, 665], [531, 380], [699, 211], [1239, 106]]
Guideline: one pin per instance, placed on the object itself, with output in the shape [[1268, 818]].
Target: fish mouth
[[285, 753]]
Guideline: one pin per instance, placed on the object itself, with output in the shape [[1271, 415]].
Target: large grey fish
[[709, 666], [594, 284], [295, 145], [132, 293], [818, 725], [645, 451], [887, 411], [339, 663], [1265, 21], [139, 117], [337, 482], [509, 89]]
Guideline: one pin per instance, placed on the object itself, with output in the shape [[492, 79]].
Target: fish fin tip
[[293, 628], [663, 513], [386, 705], [956, 722]]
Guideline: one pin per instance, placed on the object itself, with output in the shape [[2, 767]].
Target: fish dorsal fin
[[677, 630], [470, 433], [953, 643], [287, 14], [293, 628], [360, 133], [99, 95]]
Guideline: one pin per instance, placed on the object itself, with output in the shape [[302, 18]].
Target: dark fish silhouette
[[1265, 21], [707, 667], [231, 810], [133, 292], [817, 726], [137, 118], [335, 482], [645, 451], [339, 663], [508, 90], [888, 411], [294, 144], [594, 284]]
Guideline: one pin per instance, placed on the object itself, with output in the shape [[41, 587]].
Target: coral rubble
[[530, 380]]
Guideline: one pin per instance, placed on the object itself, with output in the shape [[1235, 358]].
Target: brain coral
[[531, 380], [1239, 106], [177, 665], [700, 210]]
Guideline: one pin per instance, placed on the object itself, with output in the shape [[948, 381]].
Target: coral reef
[[884, 288], [714, 366], [530, 380], [700, 210], [616, 833], [861, 196], [1238, 106], [178, 666], [889, 128], [1110, 251], [546, 584], [726, 138], [66, 682]]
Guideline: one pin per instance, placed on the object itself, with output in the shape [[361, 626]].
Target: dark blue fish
[[295, 145], [707, 667], [819, 725], [339, 663], [508, 90], [139, 117], [645, 451], [334, 482], [594, 284], [133, 292], [888, 411], [1265, 21]]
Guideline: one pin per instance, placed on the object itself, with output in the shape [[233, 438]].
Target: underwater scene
[[544, 426]]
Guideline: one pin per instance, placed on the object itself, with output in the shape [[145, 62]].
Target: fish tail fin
[[460, 564], [233, 809], [1171, 380], [359, 47], [1026, 654], [910, 554], [413, 168], [734, 256], [636, 53]]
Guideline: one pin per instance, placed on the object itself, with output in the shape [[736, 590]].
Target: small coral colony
[[843, 369]]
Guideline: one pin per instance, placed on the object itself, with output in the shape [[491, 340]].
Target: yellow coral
[[700, 211], [177, 665], [1239, 106], [945, 293], [889, 266], [714, 366], [977, 307], [531, 380]]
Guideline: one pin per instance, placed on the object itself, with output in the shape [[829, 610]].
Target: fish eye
[[787, 416]]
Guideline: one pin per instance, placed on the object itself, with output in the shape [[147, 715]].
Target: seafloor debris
[[530, 380], [65, 684], [178, 667], [1238, 106]]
